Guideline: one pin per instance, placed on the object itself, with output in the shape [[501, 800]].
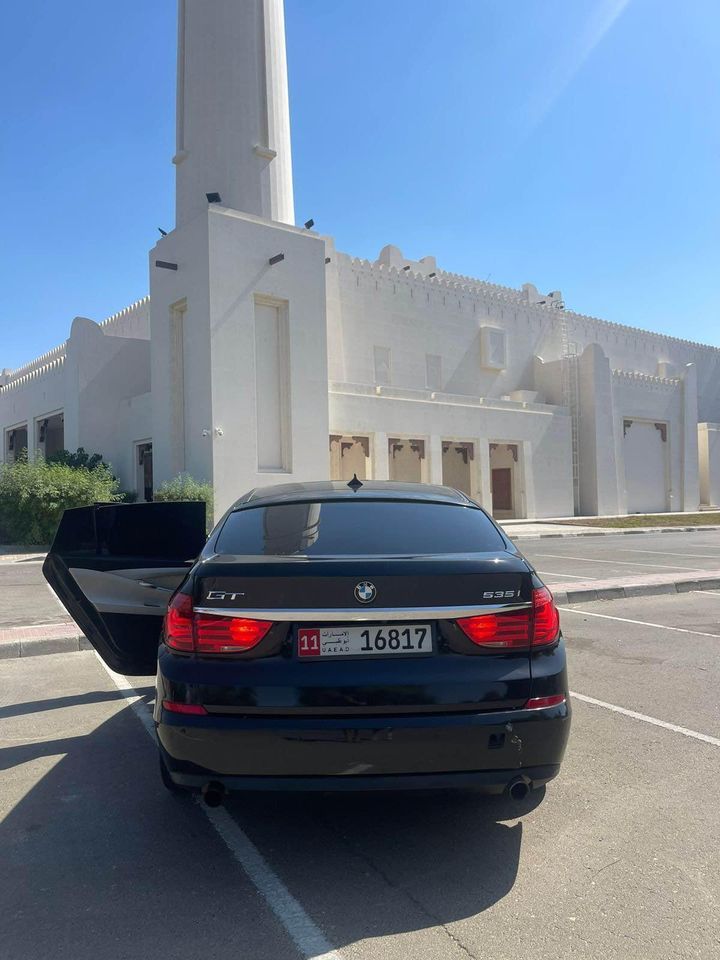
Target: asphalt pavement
[[569, 561], [617, 858]]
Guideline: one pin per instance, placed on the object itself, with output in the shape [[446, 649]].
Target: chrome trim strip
[[343, 614]]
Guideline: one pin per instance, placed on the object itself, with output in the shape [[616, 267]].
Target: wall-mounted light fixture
[[276, 259], [163, 233], [431, 275], [213, 197], [309, 224], [405, 269], [328, 259]]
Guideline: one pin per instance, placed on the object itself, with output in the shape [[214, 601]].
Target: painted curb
[[39, 646], [628, 531], [565, 597]]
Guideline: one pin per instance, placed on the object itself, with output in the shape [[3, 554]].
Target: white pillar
[[434, 453], [690, 466], [233, 117], [528, 479], [381, 459], [484, 485]]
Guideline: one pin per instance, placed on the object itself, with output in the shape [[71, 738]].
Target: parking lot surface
[[617, 858], [575, 559], [25, 597]]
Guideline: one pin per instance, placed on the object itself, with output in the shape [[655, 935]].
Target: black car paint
[[451, 719]]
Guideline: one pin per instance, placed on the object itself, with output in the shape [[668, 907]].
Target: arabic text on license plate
[[398, 639]]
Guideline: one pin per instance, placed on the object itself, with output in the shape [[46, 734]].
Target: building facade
[[265, 355]]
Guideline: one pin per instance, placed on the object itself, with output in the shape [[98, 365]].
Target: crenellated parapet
[[647, 380], [37, 370], [414, 278]]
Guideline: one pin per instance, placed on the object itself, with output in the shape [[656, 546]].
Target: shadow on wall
[[103, 841]]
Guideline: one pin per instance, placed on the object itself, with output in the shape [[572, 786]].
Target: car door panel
[[115, 566]]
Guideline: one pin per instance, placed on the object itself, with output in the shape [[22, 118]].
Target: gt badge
[[365, 592]]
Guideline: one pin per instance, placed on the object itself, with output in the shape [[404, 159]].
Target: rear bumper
[[483, 750]]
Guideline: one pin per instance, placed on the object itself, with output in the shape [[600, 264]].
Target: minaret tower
[[233, 118]]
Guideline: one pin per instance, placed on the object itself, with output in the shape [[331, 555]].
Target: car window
[[358, 528]]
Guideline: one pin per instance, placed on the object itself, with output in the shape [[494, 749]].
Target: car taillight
[[228, 634], [205, 633], [179, 623], [500, 630], [537, 626], [546, 619]]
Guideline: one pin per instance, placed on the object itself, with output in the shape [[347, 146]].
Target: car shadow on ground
[[98, 841]]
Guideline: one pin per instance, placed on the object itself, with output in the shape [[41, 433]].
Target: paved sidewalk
[[638, 586], [42, 638], [540, 529]]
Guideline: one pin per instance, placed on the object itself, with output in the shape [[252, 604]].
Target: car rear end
[[362, 644]]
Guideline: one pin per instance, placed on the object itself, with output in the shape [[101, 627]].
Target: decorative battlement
[[35, 372], [116, 319], [443, 280], [646, 379], [45, 362]]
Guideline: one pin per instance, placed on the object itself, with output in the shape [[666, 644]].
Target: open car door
[[115, 566]]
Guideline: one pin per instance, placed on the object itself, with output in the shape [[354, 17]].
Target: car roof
[[340, 490]]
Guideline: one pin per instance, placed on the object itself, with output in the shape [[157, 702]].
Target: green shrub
[[185, 487], [34, 495], [78, 459]]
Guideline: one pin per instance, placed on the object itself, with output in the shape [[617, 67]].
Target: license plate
[[399, 640]]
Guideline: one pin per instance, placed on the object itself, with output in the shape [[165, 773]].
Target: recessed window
[[493, 348]]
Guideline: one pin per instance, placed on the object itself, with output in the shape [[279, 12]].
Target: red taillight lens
[[207, 634], [516, 629], [194, 709], [540, 703], [228, 634], [501, 630], [179, 623], [546, 619]]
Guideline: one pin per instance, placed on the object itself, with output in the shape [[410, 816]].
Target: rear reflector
[[536, 626], [206, 634], [539, 703], [192, 708]]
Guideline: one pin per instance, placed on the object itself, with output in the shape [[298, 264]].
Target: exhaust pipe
[[518, 789], [213, 794]]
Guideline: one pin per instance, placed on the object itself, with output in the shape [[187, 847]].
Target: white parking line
[[707, 593], [554, 573], [666, 553], [704, 737], [301, 928], [627, 563], [641, 623]]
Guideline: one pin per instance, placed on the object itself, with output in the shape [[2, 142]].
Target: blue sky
[[571, 143]]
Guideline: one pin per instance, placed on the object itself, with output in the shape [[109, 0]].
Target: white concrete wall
[[373, 305], [709, 456], [543, 434], [240, 276], [223, 272], [650, 399]]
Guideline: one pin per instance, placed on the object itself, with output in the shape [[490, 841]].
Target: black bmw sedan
[[327, 636]]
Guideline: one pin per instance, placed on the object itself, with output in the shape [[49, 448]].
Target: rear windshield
[[358, 528]]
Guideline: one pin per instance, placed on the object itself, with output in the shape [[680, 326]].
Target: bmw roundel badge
[[365, 591]]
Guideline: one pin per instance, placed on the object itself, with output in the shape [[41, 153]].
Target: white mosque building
[[265, 355]]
